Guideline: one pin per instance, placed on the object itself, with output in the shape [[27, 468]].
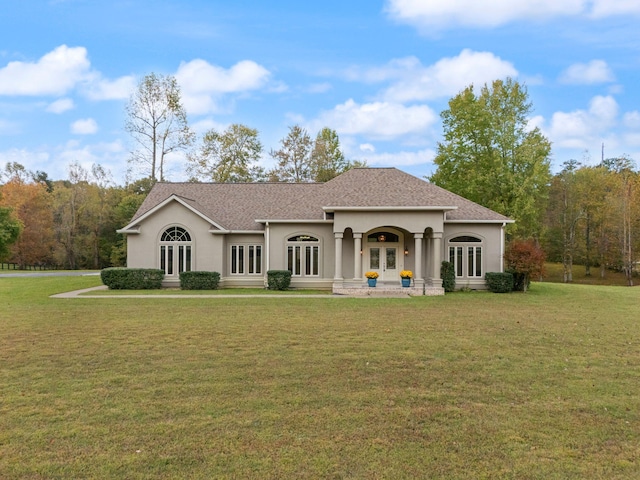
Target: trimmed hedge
[[448, 276], [121, 278], [499, 282], [278, 279], [199, 280]]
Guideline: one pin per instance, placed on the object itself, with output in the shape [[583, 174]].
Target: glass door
[[391, 264], [384, 260]]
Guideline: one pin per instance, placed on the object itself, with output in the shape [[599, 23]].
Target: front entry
[[384, 260], [382, 250]]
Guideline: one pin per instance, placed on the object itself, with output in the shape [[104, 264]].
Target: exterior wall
[[212, 252], [246, 279], [415, 221], [491, 235], [278, 235], [143, 251]]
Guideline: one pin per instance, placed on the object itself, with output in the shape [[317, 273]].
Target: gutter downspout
[[502, 247], [267, 236]]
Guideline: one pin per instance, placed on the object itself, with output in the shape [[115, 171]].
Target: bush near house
[[448, 275], [120, 278], [199, 280], [278, 279], [499, 282]]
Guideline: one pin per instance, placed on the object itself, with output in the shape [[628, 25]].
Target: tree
[[158, 124], [10, 229], [525, 259], [327, 160], [31, 205], [565, 212], [625, 206], [491, 156], [230, 156], [293, 157]]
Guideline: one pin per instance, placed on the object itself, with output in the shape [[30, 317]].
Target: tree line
[[489, 154]]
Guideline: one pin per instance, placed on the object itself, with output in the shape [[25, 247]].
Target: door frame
[[385, 275]]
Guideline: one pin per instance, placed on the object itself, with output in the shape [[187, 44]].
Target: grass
[[542, 385], [222, 291], [554, 273]]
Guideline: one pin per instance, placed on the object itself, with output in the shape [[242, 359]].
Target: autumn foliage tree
[[31, 204], [525, 259]]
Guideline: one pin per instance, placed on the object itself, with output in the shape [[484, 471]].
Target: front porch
[[387, 290]]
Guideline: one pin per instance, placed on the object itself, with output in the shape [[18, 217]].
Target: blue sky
[[379, 72]]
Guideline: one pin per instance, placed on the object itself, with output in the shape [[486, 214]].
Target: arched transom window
[[175, 251], [465, 252], [303, 256]]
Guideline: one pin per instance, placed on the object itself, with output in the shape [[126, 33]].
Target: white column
[[437, 258], [338, 252], [418, 256], [357, 253]]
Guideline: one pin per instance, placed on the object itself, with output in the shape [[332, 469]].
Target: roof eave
[[165, 202], [480, 221], [387, 208]]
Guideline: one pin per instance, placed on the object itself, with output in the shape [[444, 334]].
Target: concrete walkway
[[84, 293]]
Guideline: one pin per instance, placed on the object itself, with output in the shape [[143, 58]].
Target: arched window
[[303, 256], [465, 252], [175, 251]]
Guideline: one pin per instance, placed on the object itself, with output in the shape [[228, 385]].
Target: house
[[327, 234]]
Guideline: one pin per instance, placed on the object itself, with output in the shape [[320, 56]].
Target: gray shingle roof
[[237, 206]]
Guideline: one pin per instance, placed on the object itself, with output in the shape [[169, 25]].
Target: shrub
[[120, 278], [499, 282], [199, 280], [278, 279], [525, 259], [448, 275]]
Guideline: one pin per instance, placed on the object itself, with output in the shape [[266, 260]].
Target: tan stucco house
[[327, 234]]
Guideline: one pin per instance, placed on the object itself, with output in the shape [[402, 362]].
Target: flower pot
[[372, 281], [406, 282]]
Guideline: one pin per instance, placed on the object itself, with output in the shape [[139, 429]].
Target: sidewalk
[[81, 294]]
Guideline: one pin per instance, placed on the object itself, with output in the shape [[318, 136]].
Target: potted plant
[[372, 278], [406, 276]]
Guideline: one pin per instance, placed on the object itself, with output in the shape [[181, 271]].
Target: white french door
[[384, 260]]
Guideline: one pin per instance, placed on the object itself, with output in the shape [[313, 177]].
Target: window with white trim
[[246, 260], [303, 256], [466, 256], [175, 251]]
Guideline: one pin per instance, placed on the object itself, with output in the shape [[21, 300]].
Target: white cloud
[[56, 73], [584, 128], [103, 89], [594, 72], [444, 78], [86, 126], [606, 8], [379, 120], [202, 83], [397, 159], [367, 147], [429, 15], [437, 14], [60, 106]]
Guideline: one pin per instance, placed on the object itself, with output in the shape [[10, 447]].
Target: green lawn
[[543, 385]]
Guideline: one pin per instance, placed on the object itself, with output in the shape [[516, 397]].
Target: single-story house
[[328, 235]]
